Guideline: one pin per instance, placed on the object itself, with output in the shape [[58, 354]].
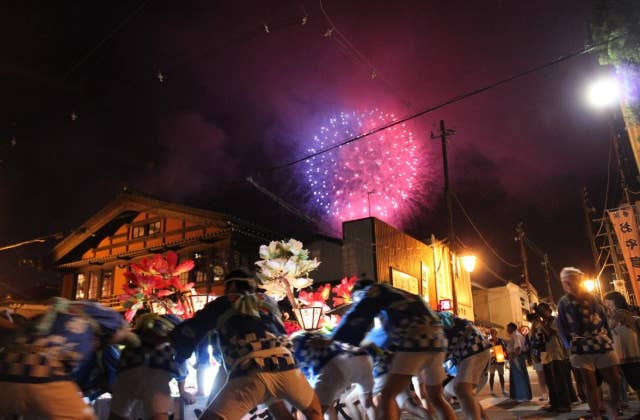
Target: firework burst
[[377, 176]]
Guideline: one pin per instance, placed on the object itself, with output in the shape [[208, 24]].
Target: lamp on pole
[[604, 93]]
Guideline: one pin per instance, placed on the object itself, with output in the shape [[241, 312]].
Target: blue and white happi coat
[[410, 325], [249, 334], [583, 326], [464, 338], [63, 340]]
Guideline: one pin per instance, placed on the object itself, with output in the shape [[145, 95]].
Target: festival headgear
[[159, 325], [241, 275]]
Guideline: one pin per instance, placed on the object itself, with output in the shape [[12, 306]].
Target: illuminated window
[[107, 284], [184, 278], [154, 227], [137, 232], [81, 284], [92, 293], [201, 276]]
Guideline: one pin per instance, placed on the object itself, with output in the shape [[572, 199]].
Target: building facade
[[94, 258], [498, 306], [373, 249]]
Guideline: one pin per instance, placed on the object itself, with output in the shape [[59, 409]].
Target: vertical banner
[[626, 229]]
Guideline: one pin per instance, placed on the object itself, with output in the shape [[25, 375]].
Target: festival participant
[[144, 371], [555, 361], [583, 328], [381, 362], [519, 384], [497, 365], [414, 335], [626, 331], [257, 356], [470, 351], [332, 368], [96, 377], [37, 367]]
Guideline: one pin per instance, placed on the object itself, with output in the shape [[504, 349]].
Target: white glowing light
[[603, 92]]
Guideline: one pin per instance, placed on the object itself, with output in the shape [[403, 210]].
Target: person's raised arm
[[186, 336], [355, 324]]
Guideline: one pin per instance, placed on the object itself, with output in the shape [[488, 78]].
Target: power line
[[492, 249], [350, 47], [447, 102], [104, 40]]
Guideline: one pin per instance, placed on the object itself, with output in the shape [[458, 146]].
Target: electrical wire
[[373, 71], [445, 103], [104, 40], [475, 227], [606, 194]]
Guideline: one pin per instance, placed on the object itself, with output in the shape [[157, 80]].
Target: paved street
[[503, 408]]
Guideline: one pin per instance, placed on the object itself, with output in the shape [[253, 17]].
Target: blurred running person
[[256, 350], [414, 336], [36, 369]]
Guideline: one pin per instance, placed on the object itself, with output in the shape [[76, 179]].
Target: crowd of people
[[390, 350]]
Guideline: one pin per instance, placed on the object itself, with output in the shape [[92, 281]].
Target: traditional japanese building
[[95, 256]]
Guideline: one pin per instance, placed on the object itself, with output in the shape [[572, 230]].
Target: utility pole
[[547, 276], [588, 217], [523, 252], [616, 148], [443, 135]]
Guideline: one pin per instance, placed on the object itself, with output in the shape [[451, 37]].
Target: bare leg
[[470, 407], [441, 407], [591, 392], [280, 411], [611, 375], [387, 407]]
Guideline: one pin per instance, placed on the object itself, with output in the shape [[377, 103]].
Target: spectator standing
[[498, 357], [583, 328], [626, 329], [519, 384], [555, 361]]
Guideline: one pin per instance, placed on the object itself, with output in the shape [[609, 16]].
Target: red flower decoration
[[153, 280], [343, 291], [317, 298]]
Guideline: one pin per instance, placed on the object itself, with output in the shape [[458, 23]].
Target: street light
[[589, 285], [603, 92], [469, 263]]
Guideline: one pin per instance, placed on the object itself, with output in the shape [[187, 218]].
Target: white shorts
[[338, 375], [150, 386], [470, 370], [52, 400], [412, 363], [594, 361], [241, 394]]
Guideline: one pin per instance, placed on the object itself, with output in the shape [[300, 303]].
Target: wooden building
[[95, 256], [371, 248]]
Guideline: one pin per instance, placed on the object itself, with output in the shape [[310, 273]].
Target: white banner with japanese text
[[626, 229]]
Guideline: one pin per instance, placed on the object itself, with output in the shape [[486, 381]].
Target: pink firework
[[376, 176]]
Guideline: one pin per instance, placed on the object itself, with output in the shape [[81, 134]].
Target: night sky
[[245, 85]]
